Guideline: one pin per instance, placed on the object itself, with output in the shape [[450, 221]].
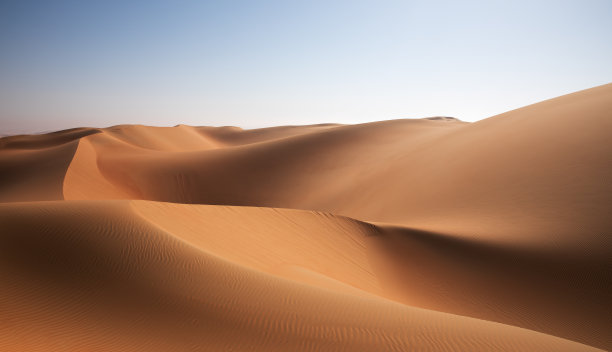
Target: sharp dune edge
[[429, 234]]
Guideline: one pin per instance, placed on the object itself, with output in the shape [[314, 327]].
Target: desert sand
[[426, 234]]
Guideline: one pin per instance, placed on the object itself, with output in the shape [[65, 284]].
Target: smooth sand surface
[[430, 234]]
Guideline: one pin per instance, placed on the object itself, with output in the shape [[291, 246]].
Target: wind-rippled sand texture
[[429, 234]]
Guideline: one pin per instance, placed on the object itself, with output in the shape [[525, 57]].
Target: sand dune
[[84, 273], [394, 235]]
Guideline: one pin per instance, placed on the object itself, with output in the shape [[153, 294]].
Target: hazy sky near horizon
[[261, 63]]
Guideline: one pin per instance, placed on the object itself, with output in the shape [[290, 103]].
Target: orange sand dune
[[102, 275], [401, 222], [544, 168]]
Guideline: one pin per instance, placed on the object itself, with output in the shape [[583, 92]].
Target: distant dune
[[430, 234]]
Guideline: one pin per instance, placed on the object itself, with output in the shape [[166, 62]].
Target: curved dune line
[[83, 283], [34, 174], [534, 174], [524, 286], [505, 220], [83, 179], [46, 140]]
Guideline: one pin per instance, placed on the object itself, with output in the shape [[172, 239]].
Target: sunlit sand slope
[[101, 275], [506, 220], [537, 172]]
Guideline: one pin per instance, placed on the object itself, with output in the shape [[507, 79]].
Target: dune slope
[[100, 275], [542, 169], [505, 220]]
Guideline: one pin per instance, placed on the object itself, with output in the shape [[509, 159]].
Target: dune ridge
[[430, 234], [175, 291]]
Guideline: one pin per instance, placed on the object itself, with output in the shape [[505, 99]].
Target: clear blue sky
[[260, 63]]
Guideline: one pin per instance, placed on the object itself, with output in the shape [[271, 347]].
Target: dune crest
[[430, 234], [174, 291]]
